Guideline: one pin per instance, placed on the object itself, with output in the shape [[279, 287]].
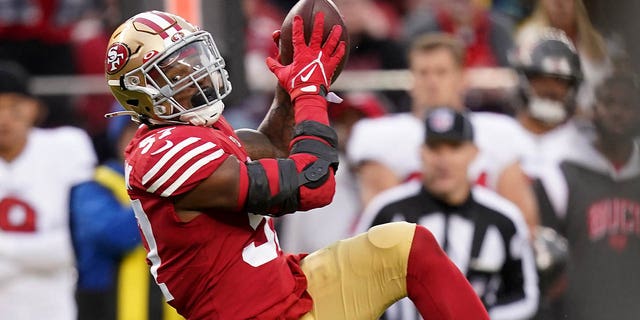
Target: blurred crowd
[[68, 37], [557, 137]]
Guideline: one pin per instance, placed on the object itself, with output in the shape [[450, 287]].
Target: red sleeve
[[174, 160]]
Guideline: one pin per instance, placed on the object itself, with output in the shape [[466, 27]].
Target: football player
[[549, 73], [38, 168], [203, 193]]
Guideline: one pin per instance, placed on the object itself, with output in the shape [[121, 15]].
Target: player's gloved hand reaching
[[313, 65]]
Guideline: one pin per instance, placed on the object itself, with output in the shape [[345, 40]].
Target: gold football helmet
[[164, 70]]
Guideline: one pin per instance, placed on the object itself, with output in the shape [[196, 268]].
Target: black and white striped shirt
[[486, 237]]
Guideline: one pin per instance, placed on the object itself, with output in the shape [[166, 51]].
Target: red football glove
[[312, 67], [275, 35]]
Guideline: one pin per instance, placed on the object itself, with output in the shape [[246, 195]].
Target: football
[[307, 9]]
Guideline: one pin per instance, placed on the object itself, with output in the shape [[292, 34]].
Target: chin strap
[[548, 111]]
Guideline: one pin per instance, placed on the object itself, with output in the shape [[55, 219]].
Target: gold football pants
[[360, 277]]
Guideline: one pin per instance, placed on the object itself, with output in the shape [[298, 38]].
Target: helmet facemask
[[551, 109], [186, 83], [551, 56], [551, 112]]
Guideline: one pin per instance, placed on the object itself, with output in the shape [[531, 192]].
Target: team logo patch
[[614, 220], [441, 121], [117, 57]]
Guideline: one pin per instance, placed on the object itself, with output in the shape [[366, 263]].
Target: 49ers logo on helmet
[[117, 57]]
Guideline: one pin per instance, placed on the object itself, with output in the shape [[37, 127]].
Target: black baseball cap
[[14, 78], [445, 124]]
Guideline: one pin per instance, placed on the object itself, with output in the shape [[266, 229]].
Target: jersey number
[[257, 255], [16, 215]]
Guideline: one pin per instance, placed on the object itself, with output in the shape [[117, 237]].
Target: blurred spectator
[[371, 35], [571, 17], [312, 230], [40, 35], [594, 196], [483, 234], [487, 38], [385, 153], [63, 37], [550, 74], [90, 38], [38, 168], [373, 45], [512, 10], [549, 77], [262, 18], [113, 278]]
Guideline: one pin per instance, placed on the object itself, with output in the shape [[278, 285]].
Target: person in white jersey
[[385, 151], [38, 168], [550, 74]]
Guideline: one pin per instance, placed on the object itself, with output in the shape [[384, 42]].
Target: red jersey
[[220, 265]]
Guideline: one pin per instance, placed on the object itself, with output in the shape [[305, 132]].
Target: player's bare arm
[[274, 134], [271, 139], [219, 191], [311, 150], [514, 185]]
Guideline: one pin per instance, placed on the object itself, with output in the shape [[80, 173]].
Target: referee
[[481, 232]]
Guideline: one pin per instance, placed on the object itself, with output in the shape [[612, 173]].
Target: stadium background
[[76, 93]]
